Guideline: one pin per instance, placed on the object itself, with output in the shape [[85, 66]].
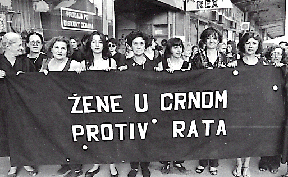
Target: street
[[224, 170]]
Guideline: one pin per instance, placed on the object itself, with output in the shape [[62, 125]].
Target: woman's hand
[[170, 70], [158, 69], [2, 74], [279, 65], [123, 68], [232, 64]]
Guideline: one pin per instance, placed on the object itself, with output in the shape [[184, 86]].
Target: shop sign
[[194, 5], [77, 20]]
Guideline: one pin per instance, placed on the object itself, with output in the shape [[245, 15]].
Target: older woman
[[60, 50], [12, 63], [250, 45]]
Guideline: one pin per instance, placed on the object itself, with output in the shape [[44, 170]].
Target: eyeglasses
[[35, 42], [111, 45]]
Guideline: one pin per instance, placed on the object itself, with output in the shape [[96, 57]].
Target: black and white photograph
[[143, 88]]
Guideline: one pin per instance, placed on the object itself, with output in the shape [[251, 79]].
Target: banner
[[104, 117]]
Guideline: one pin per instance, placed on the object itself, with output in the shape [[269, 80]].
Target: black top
[[120, 59], [22, 63], [185, 64], [147, 66], [46, 62], [201, 61], [77, 55], [38, 61]]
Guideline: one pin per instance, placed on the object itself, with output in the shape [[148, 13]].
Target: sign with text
[[76, 19], [194, 5], [105, 117]]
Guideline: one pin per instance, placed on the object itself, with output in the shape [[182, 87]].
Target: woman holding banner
[[139, 41], [210, 58], [11, 62], [173, 56], [60, 50], [250, 45], [98, 58]]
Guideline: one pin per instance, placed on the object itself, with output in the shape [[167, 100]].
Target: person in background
[[250, 45], [195, 50], [121, 47], [282, 44], [77, 53], [1, 37], [11, 62], [222, 47], [35, 49], [99, 58], [163, 44], [118, 57], [231, 54]]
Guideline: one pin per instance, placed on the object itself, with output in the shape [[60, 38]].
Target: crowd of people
[[138, 52]]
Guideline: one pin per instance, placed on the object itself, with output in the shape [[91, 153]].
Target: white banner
[[194, 5]]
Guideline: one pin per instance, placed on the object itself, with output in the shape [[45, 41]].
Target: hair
[[233, 45], [134, 34], [51, 43], [9, 38], [201, 44], [164, 42], [271, 49], [283, 42], [170, 43], [208, 32], [113, 40], [28, 39], [89, 52], [248, 36], [194, 46]]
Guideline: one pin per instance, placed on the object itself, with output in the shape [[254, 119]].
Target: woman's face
[[176, 51], [138, 46], [251, 46], [97, 44], [73, 43], [122, 49], [59, 50], [16, 48], [276, 55], [112, 47], [35, 44], [229, 48], [195, 50], [187, 52], [212, 42]]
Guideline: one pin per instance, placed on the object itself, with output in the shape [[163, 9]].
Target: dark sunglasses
[[111, 45]]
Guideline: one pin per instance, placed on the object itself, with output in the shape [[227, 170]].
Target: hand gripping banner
[[105, 117]]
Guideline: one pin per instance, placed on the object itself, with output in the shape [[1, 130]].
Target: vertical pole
[[114, 19], [286, 19], [104, 16]]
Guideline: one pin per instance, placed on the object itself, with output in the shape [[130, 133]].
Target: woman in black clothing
[[34, 49], [138, 41], [117, 56], [209, 58], [11, 62], [77, 54], [231, 53], [173, 56]]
